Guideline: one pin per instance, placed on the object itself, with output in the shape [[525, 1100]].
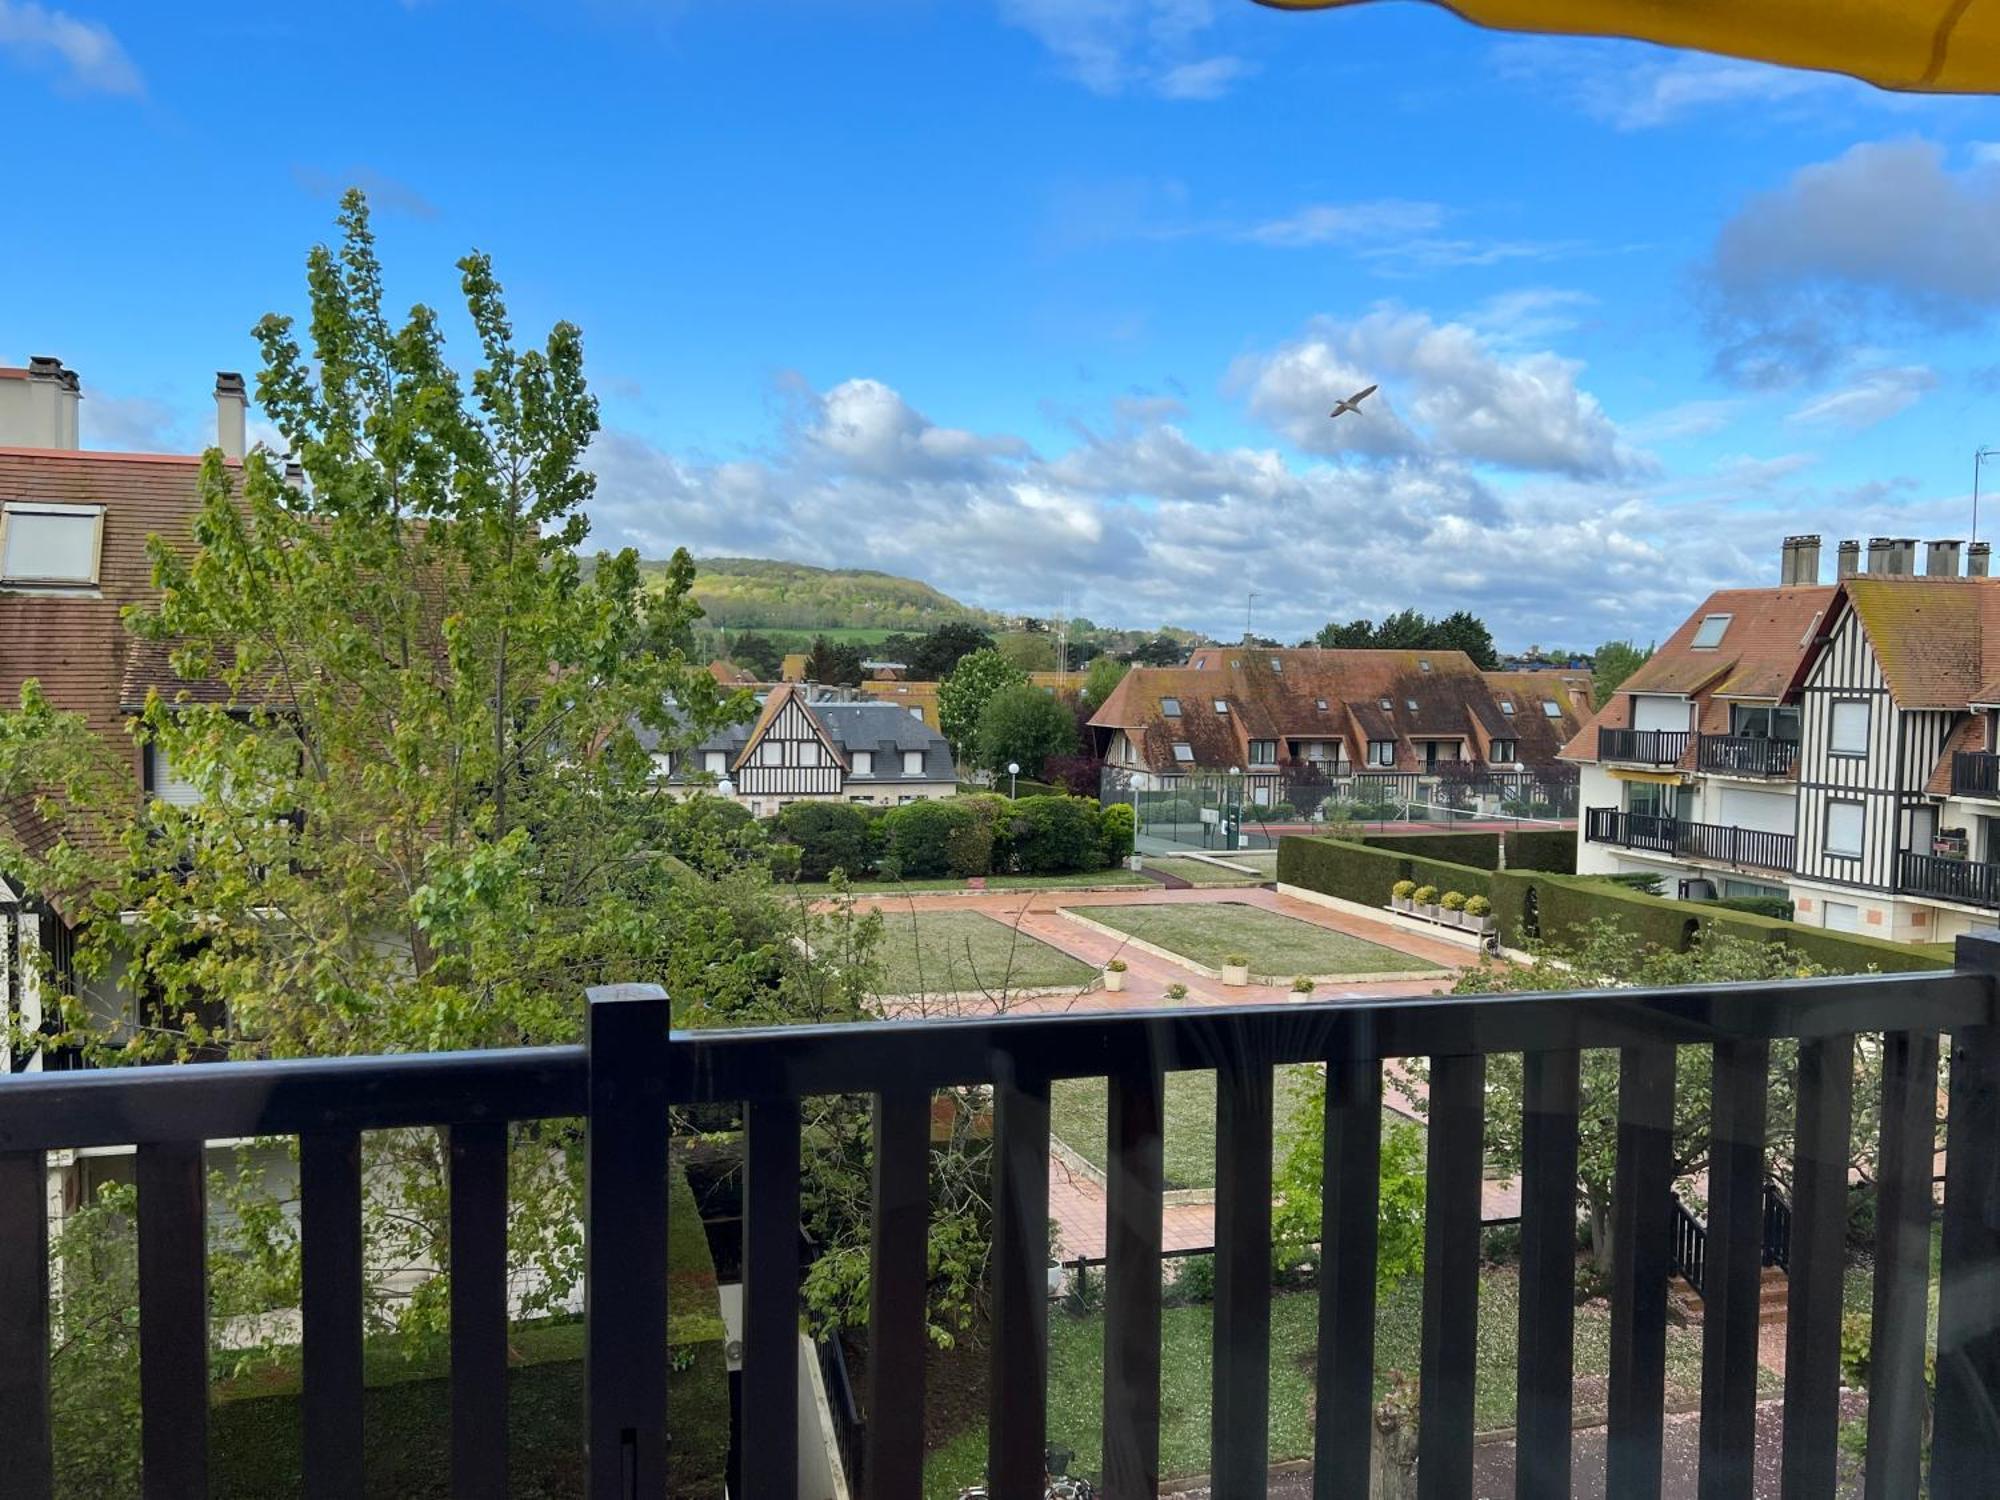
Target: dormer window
[[50, 546], [1708, 635]]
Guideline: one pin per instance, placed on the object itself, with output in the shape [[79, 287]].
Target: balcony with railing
[[1643, 747], [631, 1073], [1717, 843], [1975, 773], [1972, 882], [1746, 755]]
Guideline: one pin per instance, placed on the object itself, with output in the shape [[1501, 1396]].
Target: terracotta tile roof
[[728, 674], [1313, 695], [76, 645], [1938, 639], [1769, 634], [1970, 735]]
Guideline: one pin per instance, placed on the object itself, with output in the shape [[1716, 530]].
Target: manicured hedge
[[1054, 835], [1565, 905], [945, 836], [1551, 849], [829, 835], [255, 1439]]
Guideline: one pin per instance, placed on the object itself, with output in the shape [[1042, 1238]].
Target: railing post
[[625, 1242], [1965, 1443]]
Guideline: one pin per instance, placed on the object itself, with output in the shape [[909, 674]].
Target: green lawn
[[880, 888], [959, 952], [1076, 1359], [1199, 872], [1077, 1119], [1275, 944]]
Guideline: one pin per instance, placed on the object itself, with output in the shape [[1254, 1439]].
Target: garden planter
[[1451, 918], [1235, 974], [1428, 911], [1114, 980], [1400, 903]]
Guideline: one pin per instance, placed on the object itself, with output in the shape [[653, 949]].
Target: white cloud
[[1120, 46], [1518, 411], [1346, 223], [385, 193], [1873, 396], [1634, 88], [1536, 312], [1885, 233], [89, 56], [1686, 419]]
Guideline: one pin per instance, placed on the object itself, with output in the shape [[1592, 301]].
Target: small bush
[[829, 836], [1453, 901], [1116, 966], [1116, 829], [929, 839], [1194, 1281], [1177, 991], [1500, 1244], [1055, 835], [1303, 986], [1236, 960], [1402, 890], [1426, 895], [1478, 906]]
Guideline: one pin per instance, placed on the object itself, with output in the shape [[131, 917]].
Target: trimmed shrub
[[1551, 849], [941, 837], [1402, 890], [1116, 830], [830, 836], [1453, 901], [1759, 906], [1426, 895], [1055, 835], [1478, 906]]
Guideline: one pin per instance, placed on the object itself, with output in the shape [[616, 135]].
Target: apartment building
[[1272, 715]]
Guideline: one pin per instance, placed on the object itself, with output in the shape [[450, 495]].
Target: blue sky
[[1044, 300]]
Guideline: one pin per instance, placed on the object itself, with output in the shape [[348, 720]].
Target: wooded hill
[[750, 592]]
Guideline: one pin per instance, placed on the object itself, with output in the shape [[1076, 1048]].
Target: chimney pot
[[1977, 558], [1941, 558], [1849, 556], [232, 406], [1801, 562]]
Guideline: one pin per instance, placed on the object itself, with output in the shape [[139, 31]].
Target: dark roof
[[885, 730]]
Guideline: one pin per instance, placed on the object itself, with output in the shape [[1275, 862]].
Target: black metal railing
[[1777, 1227], [1746, 755], [1688, 1237], [1975, 882], [1646, 747], [1975, 773], [632, 1073], [1721, 843]]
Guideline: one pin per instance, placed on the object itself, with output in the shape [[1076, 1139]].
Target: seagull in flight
[[1353, 402]]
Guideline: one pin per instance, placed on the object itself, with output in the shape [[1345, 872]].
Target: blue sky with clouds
[[1046, 300]]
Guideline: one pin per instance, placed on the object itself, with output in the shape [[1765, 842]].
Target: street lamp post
[[1013, 778], [1233, 835]]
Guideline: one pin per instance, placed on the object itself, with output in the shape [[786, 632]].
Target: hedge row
[[1552, 849], [1564, 906], [957, 837]]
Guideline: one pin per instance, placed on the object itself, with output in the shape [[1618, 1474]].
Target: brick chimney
[[1941, 559], [38, 405], [1849, 559], [232, 407]]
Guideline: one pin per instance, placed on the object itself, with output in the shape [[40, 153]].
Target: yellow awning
[[1940, 46], [1658, 778]]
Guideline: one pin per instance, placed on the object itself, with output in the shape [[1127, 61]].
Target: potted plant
[[1177, 991], [1303, 987], [1425, 899], [1451, 908], [1114, 975], [1400, 893], [1235, 969], [1479, 914]]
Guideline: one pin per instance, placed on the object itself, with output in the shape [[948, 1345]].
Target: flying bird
[[1353, 402]]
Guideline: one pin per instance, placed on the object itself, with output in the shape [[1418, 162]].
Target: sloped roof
[[774, 704], [1768, 637], [1938, 639]]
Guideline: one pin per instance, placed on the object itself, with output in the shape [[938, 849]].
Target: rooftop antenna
[[1979, 457], [1249, 611]]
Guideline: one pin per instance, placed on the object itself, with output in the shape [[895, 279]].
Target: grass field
[[1198, 872], [1076, 1363], [959, 952], [1077, 1119], [1274, 944], [885, 888]]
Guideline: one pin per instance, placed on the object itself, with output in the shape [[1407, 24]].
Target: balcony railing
[[631, 1072], [1746, 755], [1645, 747], [1972, 881], [1975, 773], [1719, 843]]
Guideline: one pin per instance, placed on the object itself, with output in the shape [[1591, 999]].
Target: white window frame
[[771, 753], [1259, 759], [1841, 851], [861, 762], [913, 762], [1833, 733], [715, 762], [1513, 752], [165, 785], [809, 752], [92, 513], [1381, 752]]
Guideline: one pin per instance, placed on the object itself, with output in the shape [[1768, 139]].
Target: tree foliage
[[1104, 674], [1030, 650], [834, 663], [1615, 661], [963, 696], [939, 652], [1411, 630], [757, 654], [1022, 725], [1300, 1180]]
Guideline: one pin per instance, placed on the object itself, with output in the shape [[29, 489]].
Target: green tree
[[940, 651], [1105, 673], [1161, 650], [1353, 636], [1615, 661], [1464, 631], [963, 696], [833, 663], [1030, 650], [1300, 1179], [1022, 725], [758, 654]]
